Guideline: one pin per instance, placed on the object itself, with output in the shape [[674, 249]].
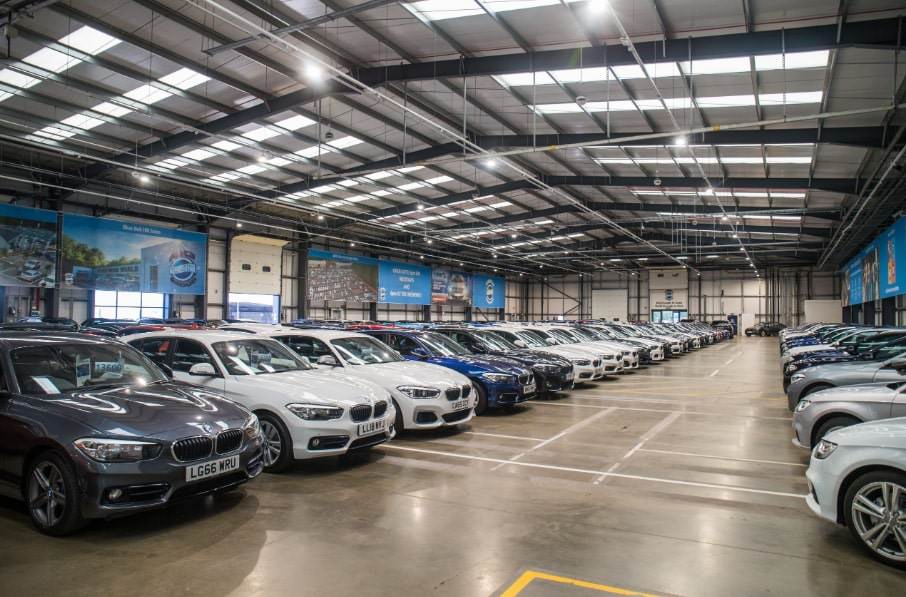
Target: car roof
[[320, 333], [208, 336], [18, 339]]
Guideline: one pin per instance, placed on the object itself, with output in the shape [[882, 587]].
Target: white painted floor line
[[647, 436], [664, 410], [591, 472], [528, 439], [755, 460], [715, 372], [563, 433]]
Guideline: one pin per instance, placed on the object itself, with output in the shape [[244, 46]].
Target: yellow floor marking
[[526, 578]]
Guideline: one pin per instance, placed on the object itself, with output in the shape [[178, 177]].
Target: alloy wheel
[[273, 446], [47, 494], [879, 518]]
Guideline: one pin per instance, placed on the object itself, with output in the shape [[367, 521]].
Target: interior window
[[310, 348], [188, 353]]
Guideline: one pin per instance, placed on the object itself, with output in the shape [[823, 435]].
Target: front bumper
[[821, 498], [500, 395], [431, 413], [319, 439], [152, 484], [561, 381]]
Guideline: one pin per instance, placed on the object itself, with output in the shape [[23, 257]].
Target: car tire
[[815, 388], [832, 424], [398, 423], [864, 509], [53, 496], [762, 333], [481, 404], [278, 445]]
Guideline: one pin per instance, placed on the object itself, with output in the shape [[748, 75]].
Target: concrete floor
[[678, 479]]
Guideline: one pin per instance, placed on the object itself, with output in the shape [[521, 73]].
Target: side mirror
[[203, 370], [166, 369], [329, 360]]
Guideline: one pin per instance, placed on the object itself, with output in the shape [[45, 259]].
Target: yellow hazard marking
[[527, 577]]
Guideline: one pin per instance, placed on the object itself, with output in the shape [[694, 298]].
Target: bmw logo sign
[[382, 295], [183, 271], [489, 291], [668, 294]]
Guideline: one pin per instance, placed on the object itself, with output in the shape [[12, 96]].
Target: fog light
[[114, 494], [315, 442]]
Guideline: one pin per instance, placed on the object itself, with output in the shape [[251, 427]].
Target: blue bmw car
[[498, 381]]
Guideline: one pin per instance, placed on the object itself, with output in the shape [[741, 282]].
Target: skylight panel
[[476, 209], [566, 108], [52, 132], [581, 75], [294, 122], [802, 159], [439, 180], [817, 59], [51, 60], [199, 155], [802, 97], [500, 204], [88, 40], [226, 176], [359, 198], [17, 79], [279, 161], [409, 169], [261, 133], [147, 94], [725, 101], [82, 121], [379, 175], [334, 203], [542, 222], [252, 169], [344, 142], [323, 189], [312, 152], [524, 79], [717, 66], [439, 10], [674, 103], [184, 78], [381, 193], [226, 145], [348, 183], [411, 186], [111, 109], [787, 195]]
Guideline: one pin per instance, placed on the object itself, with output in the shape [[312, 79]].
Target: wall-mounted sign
[[450, 287], [107, 254], [404, 283], [488, 292], [340, 277], [669, 299], [28, 246], [879, 270]]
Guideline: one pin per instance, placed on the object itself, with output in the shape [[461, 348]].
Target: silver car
[[832, 375], [835, 408]]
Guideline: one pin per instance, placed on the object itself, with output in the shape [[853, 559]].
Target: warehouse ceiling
[[532, 136]]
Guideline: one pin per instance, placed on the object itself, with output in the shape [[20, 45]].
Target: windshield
[[562, 336], [495, 341], [529, 340], [55, 369], [587, 335], [543, 337], [258, 356], [365, 350], [443, 346]]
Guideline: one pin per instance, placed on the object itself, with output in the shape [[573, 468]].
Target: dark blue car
[[498, 381]]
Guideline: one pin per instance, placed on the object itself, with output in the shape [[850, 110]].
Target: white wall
[[610, 304], [256, 264], [826, 311]]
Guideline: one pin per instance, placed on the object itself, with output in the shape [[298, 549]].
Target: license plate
[[570, 376], [372, 427], [204, 470], [529, 389], [460, 404]]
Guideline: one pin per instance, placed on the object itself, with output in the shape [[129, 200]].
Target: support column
[[302, 280], [227, 256], [426, 312]]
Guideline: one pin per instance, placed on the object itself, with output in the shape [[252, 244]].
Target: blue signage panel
[[879, 270], [28, 246], [107, 254], [340, 277], [404, 283], [451, 287], [488, 292]]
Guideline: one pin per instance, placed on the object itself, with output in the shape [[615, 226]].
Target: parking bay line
[[595, 473], [563, 433], [522, 437], [663, 410], [648, 435], [715, 457]]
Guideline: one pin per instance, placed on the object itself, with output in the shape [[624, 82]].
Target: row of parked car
[[93, 426], [846, 386]]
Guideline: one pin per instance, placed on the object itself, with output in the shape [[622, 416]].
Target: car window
[[155, 349], [365, 350], [188, 353], [310, 348], [258, 356], [402, 344]]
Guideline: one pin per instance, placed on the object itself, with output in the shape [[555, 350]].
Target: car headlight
[[803, 404], [117, 450], [252, 428], [824, 449], [796, 377], [497, 377], [419, 391], [581, 362], [791, 368], [315, 412]]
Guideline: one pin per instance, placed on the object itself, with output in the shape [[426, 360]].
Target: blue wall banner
[[879, 270], [488, 292], [404, 283], [105, 254], [449, 287], [28, 246], [340, 277]]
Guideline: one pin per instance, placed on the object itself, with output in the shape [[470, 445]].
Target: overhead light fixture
[[420, 206], [351, 244], [681, 141], [238, 224], [491, 163], [724, 219], [429, 241], [314, 71], [144, 178], [735, 236], [321, 217], [711, 256], [513, 235], [421, 256], [596, 7], [263, 157], [742, 248], [642, 259]]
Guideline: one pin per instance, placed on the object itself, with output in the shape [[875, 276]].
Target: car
[[857, 478], [425, 396], [588, 364], [822, 377], [499, 382], [765, 328], [304, 413], [31, 275], [878, 347], [90, 428], [629, 355], [552, 373], [825, 411]]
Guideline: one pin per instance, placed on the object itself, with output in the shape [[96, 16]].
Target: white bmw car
[[304, 413], [587, 363], [857, 478], [426, 396]]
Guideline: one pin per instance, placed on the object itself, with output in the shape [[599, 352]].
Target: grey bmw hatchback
[[90, 428]]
